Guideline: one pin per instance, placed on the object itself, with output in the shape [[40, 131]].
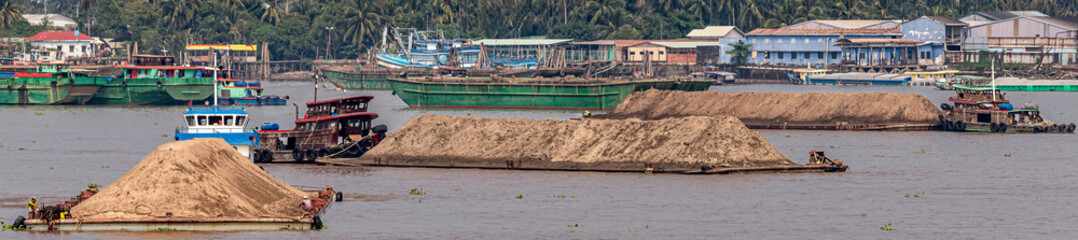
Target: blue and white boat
[[856, 78], [224, 122]]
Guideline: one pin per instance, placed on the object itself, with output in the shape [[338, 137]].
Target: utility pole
[[329, 42], [565, 11]]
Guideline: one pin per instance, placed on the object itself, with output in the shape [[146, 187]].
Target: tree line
[[297, 29]]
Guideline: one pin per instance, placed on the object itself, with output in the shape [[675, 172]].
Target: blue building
[[867, 52], [937, 35], [807, 47]]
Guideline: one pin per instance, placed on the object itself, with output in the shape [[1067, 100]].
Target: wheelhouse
[[152, 60], [340, 106], [225, 122]]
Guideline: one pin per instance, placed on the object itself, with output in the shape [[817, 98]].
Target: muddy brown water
[[967, 185]]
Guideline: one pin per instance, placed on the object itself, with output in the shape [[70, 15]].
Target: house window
[[834, 56], [806, 54], [793, 55], [819, 55], [767, 55], [780, 55], [861, 55], [662, 52]]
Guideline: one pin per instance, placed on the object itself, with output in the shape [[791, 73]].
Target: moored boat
[[1023, 85], [239, 92], [48, 83], [153, 80], [530, 93], [224, 122], [330, 128], [856, 78], [987, 110]]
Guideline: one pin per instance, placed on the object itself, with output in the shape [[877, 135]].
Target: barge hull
[[171, 224], [635, 167]]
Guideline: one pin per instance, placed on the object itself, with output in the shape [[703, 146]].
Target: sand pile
[[763, 108], [678, 143], [194, 178]]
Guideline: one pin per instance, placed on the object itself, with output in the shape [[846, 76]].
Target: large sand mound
[[194, 178], [681, 143], [770, 108]]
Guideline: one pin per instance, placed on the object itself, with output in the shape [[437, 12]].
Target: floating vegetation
[[39, 113], [760, 204], [833, 147], [92, 185], [559, 196], [573, 225], [155, 124], [20, 149], [864, 215], [1006, 155], [50, 168], [520, 196], [329, 165], [887, 227], [1037, 199], [106, 166], [916, 195], [787, 135], [164, 135], [162, 229], [417, 191], [35, 141]]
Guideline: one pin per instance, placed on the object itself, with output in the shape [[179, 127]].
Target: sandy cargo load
[[678, 145], [193, 185], [780, 110]]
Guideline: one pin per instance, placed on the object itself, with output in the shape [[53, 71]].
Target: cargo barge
[[48, 83], [361, 78], [530, 93], [856, 78], [817, 163], [1021, 85], [54, 218]]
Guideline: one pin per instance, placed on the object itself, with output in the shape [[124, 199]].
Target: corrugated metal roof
[[1070, 23], [844, 24], [999, 15], [520, 42], [873, 40], [686, 44], [59, 36], [781, 31], [712, 32], [945, 20], [599, 42]]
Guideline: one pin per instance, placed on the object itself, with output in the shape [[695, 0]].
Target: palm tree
[[10, 13], [179, 14], [272, 13], [363, 20]]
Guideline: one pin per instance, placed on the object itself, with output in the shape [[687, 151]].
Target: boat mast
[[993, 79], [214, 66]]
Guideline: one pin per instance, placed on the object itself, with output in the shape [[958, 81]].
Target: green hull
[[359, 81], [601, 96], [154, 91], [42, 91], [595, 96], [1035, 88]]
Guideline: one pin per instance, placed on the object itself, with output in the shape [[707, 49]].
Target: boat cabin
[[339, 106], [977, 95], [152, 60], [225, 122], [143, 72]]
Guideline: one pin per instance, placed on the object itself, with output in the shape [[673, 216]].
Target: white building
[[56, 20], [62, 45]]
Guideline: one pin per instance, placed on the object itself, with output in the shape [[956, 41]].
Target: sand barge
[[676, 144], [199, 184], [836, 111]]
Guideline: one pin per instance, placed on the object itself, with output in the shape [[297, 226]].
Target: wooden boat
[[987, 110]]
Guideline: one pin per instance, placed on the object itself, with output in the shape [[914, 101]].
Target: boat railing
[[216, 108], [215, 130]]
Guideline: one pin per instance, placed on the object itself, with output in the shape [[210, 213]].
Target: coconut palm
[[364, 18], [272, 13], [10, 13]]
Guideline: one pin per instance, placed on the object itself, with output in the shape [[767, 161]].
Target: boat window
[[241, 120], [191, 121], [332, 125], [215, 120], [202, 120], [228, 120]]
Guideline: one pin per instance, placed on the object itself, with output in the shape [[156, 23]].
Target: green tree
[[10, 13], [740, 54]]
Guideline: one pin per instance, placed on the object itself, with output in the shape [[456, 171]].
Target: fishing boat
[[48, 83], [154, 80], [530, 93], [856, 78], [331, 128], [800, 76], [987, 110]]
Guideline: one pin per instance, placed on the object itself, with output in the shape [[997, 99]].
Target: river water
[[937, 185]]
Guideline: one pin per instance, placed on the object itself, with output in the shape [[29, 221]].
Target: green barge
[[48, 83], [377, 78], [1023, 85], [530, 93]]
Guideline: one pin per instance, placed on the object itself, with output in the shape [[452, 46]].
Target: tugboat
[[986, 110], [228, 123], [330, 128]]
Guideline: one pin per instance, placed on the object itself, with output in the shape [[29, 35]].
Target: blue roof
[[208, 110]]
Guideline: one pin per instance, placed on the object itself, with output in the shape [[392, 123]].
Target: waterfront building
[[57, 21], [1022, 36], [667, 52], [845, 24], [725, 35], [805, 47], [602, 50], [61, 45]]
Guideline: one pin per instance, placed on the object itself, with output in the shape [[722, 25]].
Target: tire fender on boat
[[960, 126], [994, 127], [1002, 127]]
